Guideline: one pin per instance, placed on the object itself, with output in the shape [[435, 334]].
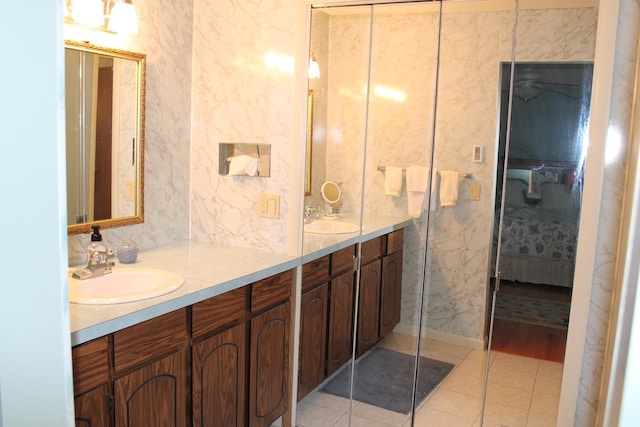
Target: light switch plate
[[478, 154], [474, 191], [269, 205]]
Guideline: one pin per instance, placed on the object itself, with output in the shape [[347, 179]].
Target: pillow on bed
[[514, 196], [556, 197]]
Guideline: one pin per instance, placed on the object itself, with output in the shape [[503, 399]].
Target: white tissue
[[244, 165]]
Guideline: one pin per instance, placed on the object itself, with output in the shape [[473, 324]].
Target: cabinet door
[[391, 292], [313, 339], [340, 322], [269, 368], [368, 307], [219, 375], [92, 408], [91, 383], [153, 395]]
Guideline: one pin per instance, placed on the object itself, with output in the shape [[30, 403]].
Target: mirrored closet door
[[539, 186], [410, 119]]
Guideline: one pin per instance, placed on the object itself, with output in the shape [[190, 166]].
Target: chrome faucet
[[308, 214], [97, 265]]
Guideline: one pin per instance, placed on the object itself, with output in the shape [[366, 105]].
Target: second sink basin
[[123, 285], [320, 226]]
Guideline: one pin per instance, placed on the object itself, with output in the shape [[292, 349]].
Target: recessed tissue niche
[[242, 159]]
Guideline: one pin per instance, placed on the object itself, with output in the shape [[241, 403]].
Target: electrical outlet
[[269, 205]]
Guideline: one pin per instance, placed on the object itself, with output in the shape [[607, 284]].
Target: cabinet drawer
[[342, 260], [220, 311], [271, 291], [315, 273], [372, 250], [90, 365], [150, 340], [394, 241]]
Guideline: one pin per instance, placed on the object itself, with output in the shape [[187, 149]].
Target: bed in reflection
[[540, 227]]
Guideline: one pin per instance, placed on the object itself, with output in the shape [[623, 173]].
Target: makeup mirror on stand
[[331, 194]]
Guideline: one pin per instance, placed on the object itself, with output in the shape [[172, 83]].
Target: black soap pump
[[96, 241]]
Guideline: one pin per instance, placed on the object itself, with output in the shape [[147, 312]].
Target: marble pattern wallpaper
[[627, 50], [242, 92], [165, 33]]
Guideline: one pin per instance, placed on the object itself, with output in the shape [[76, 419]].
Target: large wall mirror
[[105, 99]]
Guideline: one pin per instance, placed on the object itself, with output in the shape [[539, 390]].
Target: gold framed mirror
[[105, 104], [307, 178]]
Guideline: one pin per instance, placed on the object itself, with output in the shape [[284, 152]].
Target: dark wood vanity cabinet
[[326, 318], [341, 306], [369, 295], [390, 292], [151, 372], [314, 309], [220, 362], [92, 389], [219, 359], [269, 376], [137, 376], [328, 302]]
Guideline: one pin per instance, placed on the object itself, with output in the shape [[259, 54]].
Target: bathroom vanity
[[219, 350], [149, 365], [327, 306]]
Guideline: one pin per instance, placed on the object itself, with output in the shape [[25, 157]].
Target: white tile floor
[[522, 392]]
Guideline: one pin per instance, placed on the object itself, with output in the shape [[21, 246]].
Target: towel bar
[[463, 175]]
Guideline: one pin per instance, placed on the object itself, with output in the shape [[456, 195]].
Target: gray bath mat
[[384, 379]]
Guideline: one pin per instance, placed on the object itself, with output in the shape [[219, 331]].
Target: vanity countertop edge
[[208, 270]]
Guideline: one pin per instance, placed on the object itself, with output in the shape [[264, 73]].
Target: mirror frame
[[140, 59], [307, 178]]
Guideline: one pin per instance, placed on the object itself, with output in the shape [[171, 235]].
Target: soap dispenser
[[96, 244], [97, 251]]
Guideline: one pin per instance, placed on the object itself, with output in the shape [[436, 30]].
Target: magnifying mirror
[[331, 194]]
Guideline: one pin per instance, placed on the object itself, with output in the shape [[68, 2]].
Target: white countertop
[[209, 270], [318, 245]]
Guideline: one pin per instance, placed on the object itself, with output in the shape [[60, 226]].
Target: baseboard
[[474, 343]]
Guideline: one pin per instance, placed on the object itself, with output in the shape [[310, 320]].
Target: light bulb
[[123, 18]]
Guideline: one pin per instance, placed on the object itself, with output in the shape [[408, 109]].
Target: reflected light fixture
[[123, 18], [527, 92], [314, 68]]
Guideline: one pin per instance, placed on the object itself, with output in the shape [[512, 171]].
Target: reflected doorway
[[542, 194]]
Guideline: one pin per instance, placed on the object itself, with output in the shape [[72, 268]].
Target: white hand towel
[[393, 181], [417, 182], [448, 188], [243, 165]]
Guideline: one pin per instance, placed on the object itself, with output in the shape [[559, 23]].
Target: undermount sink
[[123, 285], [320, 226]]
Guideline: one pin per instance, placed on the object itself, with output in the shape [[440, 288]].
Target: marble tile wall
[[165, 33], [617, 147], [243, 59]]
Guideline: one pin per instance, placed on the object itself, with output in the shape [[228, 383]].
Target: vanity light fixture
[[123, 18], [117, 16], [87, 12], [314, 68]]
